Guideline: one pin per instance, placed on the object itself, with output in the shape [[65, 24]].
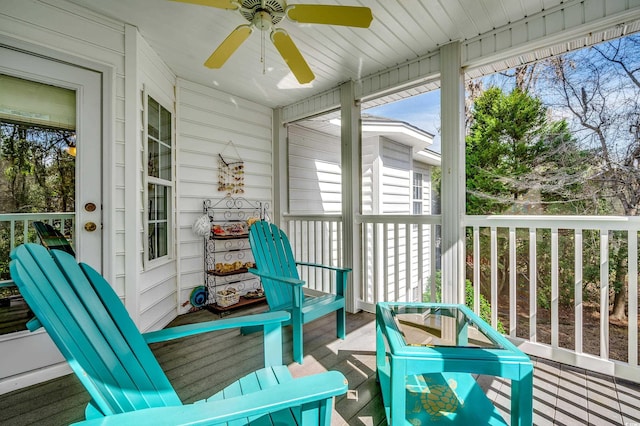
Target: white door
[[24, 352]]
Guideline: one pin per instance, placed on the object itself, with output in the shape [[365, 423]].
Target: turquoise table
[[425, 355]]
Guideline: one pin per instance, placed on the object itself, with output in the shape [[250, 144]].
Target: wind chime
[[230, 173]]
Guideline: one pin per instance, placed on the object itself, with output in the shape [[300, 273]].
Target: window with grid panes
[[159, 179], [417, 193]]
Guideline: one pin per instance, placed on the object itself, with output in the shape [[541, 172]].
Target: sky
[[422, 111]]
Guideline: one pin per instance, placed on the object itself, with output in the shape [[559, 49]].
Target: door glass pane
[[39, 104], [37, 163]]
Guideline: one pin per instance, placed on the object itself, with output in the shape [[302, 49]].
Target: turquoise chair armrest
[[286, 280], [304, 390], [318, 265], [268, 318], [341, 275], [33, 324]]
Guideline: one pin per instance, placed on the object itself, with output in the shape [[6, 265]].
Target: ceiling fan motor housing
[[263, 17]]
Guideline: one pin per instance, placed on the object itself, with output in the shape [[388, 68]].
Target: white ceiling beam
[[560, 24]]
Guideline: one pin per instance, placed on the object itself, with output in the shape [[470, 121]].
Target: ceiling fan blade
[[228, 46], [292, 56], [220, 4], [350, 16]]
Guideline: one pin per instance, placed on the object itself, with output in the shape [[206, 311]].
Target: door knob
[[90, 226]]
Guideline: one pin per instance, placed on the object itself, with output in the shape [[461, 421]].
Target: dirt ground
[[618, 330]]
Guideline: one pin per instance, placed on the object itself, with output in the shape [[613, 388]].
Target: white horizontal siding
[[207, 120], [314, 171], [396, 178], [370, 175], [157, 283]]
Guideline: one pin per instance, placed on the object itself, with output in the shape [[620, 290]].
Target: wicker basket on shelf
[[227, 297]]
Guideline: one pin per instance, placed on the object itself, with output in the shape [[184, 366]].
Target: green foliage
[[514, 153], [38, 175], [502, 143], [485, 306]]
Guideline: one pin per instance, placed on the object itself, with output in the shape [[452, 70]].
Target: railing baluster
[[604, 293], [513, 314], [396, 263], [476, 270], [407, 264], [332, 249], [25, 231], [432, 262], [533, 278], [578, 290], [632, 260], [494, 277], [385, 250], [377, 266], [421, 262], [554, 287], [12, 227]]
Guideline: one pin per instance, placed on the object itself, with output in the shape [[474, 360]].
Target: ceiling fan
[[265, 14]]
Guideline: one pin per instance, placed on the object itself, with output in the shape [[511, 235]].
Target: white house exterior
[[396, 180]]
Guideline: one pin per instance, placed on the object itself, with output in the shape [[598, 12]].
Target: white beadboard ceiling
[[184, 35]]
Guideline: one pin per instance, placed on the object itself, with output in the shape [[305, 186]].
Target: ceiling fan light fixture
[[274, 8], [263, 21]]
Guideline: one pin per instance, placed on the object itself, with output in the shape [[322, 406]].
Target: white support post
[[453, 172], [132, 154], [280, 193], [351, 178]]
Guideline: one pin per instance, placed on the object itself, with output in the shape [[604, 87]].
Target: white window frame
[[169, 184], [414, 200]]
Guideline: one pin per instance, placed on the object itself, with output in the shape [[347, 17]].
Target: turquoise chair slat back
[[92, 329], [272, 253]]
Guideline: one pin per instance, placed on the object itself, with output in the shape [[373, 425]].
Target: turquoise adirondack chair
[[93, 330], [283, 288]]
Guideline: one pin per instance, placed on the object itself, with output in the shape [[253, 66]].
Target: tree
[[38, 176], [519, 160], [599, 89], [511, 150]]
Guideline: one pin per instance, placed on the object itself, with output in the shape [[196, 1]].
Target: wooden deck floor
[[199, 366]]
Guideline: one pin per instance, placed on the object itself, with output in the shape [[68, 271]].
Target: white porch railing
[[15, 229], [400, 259], [316, 239], [523, 240]]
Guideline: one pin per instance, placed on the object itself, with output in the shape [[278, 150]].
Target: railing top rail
[[400, 219], [556, 222], [7, 217], [324, 217]]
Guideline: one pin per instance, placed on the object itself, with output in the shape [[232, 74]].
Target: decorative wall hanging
[[230, 172]]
